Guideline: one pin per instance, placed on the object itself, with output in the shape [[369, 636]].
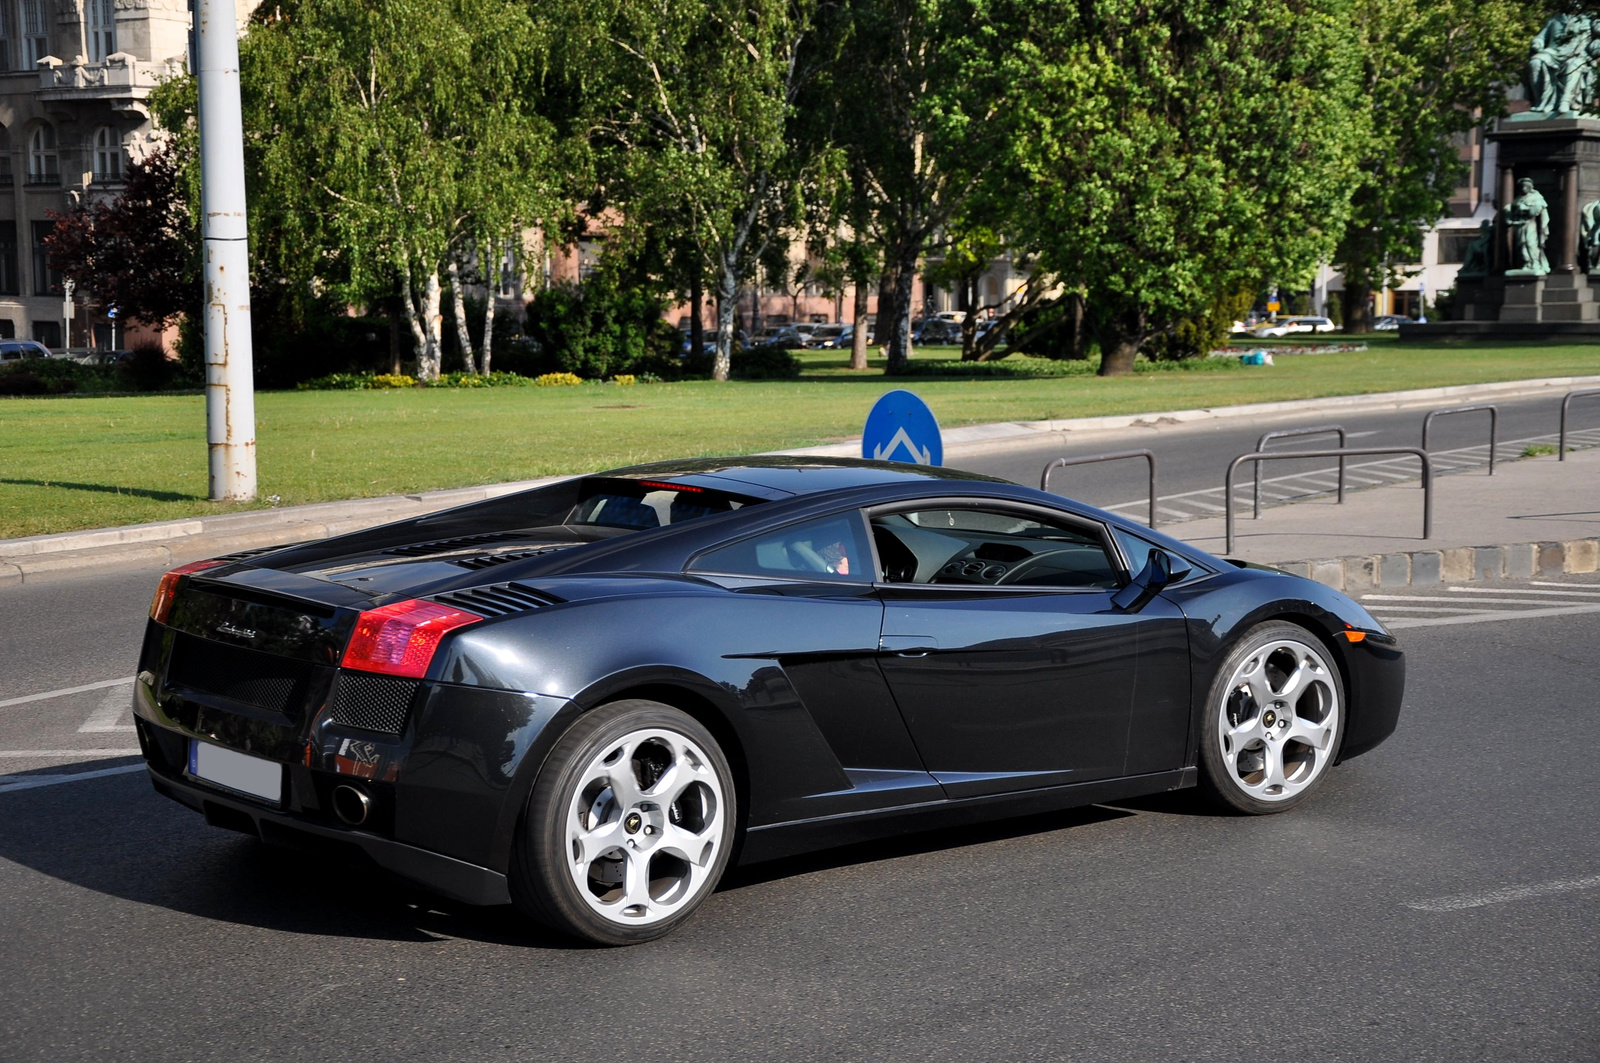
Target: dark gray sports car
[[587, 699]]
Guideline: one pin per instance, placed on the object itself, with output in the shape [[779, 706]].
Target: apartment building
[[75, 78]]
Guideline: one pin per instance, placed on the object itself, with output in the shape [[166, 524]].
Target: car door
[[1011, 666]]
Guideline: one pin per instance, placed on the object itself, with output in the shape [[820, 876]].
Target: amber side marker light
[[401, 639], [161, 604], [1356, 636]]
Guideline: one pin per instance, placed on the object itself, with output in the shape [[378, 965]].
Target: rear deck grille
[[261, 680], [498, 599], [444, 546], [373, 702], [482, 561]]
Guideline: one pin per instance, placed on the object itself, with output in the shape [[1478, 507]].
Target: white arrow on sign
[[899, 439]]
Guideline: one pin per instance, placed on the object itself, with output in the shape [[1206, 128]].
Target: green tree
[[1430, 71], [386, 139], [1163, 154], [914, 101], [691, 103]]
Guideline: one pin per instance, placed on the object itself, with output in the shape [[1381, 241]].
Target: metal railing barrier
[[1343, 452], [1261, 444], [1561, 447], [1494, 425], [1044, 477]]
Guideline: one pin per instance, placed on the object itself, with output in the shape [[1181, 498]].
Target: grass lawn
[[69, 463]]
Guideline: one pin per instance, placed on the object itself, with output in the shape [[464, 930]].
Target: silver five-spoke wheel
[[629, 825], [644, 826], [1275, 717]]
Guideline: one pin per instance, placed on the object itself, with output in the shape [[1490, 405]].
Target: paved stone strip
[[1426, 568]]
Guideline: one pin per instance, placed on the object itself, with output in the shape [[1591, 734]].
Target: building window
[[102, 29], [5, 155], [35, 35], [10, 283], [46, 281], [1453, 245], [107, 154], [47, 333], [42, 165], [5, 37]]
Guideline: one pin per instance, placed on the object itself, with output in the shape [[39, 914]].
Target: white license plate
[[237, 771]]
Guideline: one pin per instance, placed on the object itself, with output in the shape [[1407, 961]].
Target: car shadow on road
[[922, 842], [114, 835]]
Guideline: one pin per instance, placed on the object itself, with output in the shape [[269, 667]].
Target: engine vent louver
[[482, 561], [373, 702], [443, 546], [498, 599]]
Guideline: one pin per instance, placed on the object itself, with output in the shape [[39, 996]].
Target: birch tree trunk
[[458, 299], [727, 303], [419, 335], [488, 333], [429, 331]]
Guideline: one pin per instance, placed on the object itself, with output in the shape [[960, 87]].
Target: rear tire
[[1273, 720], [629, 826]]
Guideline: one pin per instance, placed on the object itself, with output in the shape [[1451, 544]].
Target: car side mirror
[[1160, 570]]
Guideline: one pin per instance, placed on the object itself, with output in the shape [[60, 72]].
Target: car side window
[[828, 549], [992, 548], [1137, 551]]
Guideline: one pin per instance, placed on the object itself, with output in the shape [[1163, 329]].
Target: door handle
[[908, 645]]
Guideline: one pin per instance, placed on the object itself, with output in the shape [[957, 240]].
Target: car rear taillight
[[400, 639], [161, 604]]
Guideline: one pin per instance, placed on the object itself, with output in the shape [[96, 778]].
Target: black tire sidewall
[[540, 883], [1215, 778]]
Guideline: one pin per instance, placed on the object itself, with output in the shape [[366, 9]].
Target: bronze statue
[[1561, 73], [1475, 263], [1589, 235], [1528, 219]]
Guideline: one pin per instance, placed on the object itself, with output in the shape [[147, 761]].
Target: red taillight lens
[[161, 604], [400, 639]]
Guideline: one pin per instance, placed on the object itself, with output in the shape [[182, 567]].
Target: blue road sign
[[902, 428]]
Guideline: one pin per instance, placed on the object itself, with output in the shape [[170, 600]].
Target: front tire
[[1273, 720], [629, 826]]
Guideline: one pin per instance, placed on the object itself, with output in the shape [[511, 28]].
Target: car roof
[[774, 476]]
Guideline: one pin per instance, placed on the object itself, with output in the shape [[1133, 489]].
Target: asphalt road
[[1439, 899], [1192, 458]]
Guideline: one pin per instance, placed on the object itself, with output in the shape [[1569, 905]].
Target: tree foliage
[[138, 252]]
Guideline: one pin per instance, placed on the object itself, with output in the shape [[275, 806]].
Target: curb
[[1024, 434], [1462, 564]]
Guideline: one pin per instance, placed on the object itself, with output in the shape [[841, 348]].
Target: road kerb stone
[[1329, 571], [1580, 555], [1488, 562], [1394, 570], [1427, 568], [1457, 564], [1521, 560], [1550, 560]]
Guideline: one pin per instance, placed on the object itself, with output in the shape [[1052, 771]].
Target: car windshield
[[635, 505]]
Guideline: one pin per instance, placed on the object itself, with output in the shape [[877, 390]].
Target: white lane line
[[1459, 901], [64, 692], [35, 781], [1398, 598], [1551, 594], [1387, 608], [1576, 594], [1481, 618], [37, 754], [114, 707], [1547, 583]]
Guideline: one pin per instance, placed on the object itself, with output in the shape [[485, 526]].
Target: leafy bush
[[147, 368], [38, 377], [1023, 368], [626, 380], [766, 362], [1198, 336], [558, 380], [393, 380], [595, 329]]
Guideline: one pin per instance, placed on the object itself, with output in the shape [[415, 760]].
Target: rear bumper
[[445, 875]]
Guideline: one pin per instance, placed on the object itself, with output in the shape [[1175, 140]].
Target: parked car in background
[[828, 337], [1287, 325], [1390, 322], [17, 350], [935, 331], [779, 335]]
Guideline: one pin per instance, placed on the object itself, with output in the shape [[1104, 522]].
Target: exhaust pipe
[[351, 805]]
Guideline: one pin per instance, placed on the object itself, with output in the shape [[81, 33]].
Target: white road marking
[[1459, 901], [33, 782], [1387, 608], [1398, 598], [1556, 594], [1481, 618], [1547, 583], [64, 692], [38, 754], [114, 707]]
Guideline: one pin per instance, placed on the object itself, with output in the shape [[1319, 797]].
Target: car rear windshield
[[636, 505]]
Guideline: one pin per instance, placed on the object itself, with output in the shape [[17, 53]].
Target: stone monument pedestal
[[1561, 156]]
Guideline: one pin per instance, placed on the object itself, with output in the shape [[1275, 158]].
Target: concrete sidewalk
[[1534, 516]]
